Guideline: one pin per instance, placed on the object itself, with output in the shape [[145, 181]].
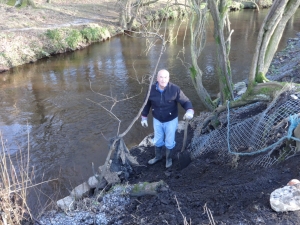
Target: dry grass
[[14, 183]]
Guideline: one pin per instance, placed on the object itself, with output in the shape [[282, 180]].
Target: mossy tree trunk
[[18, 3], [219, 11], [198, 38], [269, 36], [29, 2]]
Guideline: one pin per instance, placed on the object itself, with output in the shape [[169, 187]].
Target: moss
[[193, 72], [265, 90], [138, 187], [218, 41], [212, 103], [249, 91], [260, 77]]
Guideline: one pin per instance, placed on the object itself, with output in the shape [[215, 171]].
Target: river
[[50, 106]]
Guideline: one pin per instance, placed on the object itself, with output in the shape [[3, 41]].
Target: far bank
[[29, 34]]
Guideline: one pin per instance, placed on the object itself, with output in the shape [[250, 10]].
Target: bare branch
[[209, 214], [152, 78], [185, 222]]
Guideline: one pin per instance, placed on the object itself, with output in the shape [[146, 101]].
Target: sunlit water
[[55, 100]]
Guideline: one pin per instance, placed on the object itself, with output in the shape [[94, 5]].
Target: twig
[[185, 222], [209, 214]]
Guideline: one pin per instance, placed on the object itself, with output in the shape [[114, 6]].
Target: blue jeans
[[164, 133]]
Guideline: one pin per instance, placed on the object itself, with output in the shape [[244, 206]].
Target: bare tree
[[129, 11]]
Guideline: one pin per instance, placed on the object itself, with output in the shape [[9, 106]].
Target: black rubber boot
[[168, 158], [158, 155]]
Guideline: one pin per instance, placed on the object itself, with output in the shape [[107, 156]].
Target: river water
[[51, 105]]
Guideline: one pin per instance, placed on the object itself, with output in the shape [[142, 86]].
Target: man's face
[[163, 78]]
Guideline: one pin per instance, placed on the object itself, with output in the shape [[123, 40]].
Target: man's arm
[[187, 105], [184, 101]]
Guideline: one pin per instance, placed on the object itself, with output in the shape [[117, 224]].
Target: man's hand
[[144, 121], [189, 114]]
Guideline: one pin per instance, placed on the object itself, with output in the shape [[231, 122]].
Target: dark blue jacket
[[164, 104]]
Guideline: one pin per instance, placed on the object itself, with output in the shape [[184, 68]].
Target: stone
[[93, 182], [239, 86], [286, 198], [295, 97], [80, 191], [293, 182], [147, 141], [66, 203], [242, 91]]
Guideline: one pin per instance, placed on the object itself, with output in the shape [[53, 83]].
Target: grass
[[73, 39], [13, 187], [68, 38], [91, 33]]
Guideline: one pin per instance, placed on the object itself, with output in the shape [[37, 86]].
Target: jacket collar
[[157, 88]]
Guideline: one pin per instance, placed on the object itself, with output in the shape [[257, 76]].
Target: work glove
[[189, 114], [144, 121]]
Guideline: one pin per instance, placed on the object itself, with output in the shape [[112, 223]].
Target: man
[[163, 100]]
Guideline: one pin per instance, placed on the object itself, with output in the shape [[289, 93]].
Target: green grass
[[91, 33], [54, 34], [73, 39]]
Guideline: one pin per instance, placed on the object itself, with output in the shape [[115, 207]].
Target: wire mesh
[[259, 134]]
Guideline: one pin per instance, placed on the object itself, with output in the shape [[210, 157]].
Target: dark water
[[68, 132]]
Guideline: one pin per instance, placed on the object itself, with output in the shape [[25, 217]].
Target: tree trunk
[[220, 17], [31, 3], [18, 3], [269, 36], [197, 43], [123, 14]]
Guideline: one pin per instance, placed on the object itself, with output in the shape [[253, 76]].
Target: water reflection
[[68, 132]]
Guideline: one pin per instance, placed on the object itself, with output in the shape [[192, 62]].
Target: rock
[[147, 141], [293, 182], [146, 188], [93, 182], [286, 198], [242, 91], [80, 191], [66, 203], [240, 86], [295, 97]]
